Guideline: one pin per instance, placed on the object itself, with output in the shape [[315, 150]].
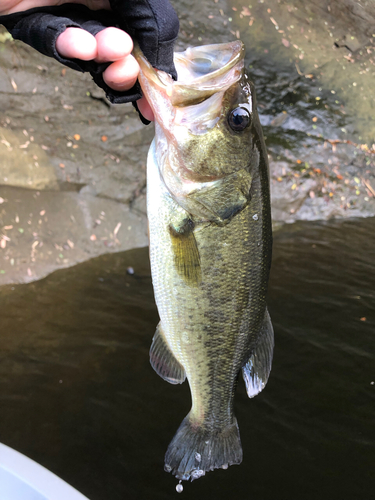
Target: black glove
[[153, 23]]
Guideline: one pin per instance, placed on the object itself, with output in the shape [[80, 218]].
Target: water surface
[[78, 394]]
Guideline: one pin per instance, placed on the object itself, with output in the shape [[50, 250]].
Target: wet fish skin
[[210, 250]]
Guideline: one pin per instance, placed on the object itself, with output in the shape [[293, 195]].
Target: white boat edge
[[36, 476]]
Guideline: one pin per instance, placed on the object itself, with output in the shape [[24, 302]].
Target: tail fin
[[194, 450]]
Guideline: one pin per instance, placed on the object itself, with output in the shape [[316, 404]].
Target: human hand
[[109, 45]]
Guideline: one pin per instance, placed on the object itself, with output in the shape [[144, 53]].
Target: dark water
[[78, 394]]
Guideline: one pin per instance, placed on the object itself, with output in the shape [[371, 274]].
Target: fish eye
[[238, 119]]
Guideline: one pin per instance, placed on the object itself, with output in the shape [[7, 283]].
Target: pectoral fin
[[185, 251], [163, 361], [256, 371]]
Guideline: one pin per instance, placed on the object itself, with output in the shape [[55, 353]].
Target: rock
[[24, 163], [316, 109], [352, 43], [41, 231]]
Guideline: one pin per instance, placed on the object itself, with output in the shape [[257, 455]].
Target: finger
[[11, 6], [113, 44], [145, 109], [122, 75], [76, 43]]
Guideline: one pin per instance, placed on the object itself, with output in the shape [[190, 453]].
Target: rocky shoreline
[[72, 168]]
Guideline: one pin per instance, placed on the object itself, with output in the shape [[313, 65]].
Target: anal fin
[[257, 370], [163, 361]]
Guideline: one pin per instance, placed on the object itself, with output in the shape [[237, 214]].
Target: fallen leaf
[[285, 42], [369, 187], [6, 143], [14, 85]]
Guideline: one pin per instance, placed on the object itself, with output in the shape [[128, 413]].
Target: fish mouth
[[202, 71]]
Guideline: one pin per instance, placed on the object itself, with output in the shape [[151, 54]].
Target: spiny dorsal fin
[[185, 251], [163, 361], [257, 370]]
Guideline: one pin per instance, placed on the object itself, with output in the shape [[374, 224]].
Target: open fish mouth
[[202, 71]]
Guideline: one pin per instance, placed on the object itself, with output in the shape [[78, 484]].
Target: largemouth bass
[[210, 246]]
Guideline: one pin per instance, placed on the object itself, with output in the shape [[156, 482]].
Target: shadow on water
[[78, 394]]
